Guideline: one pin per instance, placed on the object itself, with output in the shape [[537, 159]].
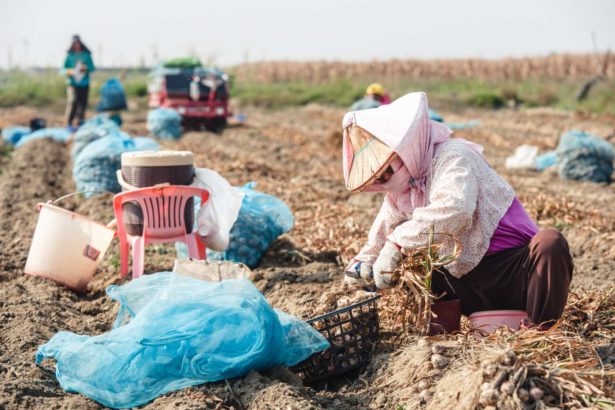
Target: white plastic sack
[[78, 72], [211, 271], [216, 218], [523, 158]]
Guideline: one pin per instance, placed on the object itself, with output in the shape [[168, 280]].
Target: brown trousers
[[534, 278]]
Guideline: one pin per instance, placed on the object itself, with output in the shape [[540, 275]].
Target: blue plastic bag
[[12, 135], [164, 123], [584, 157], [262, 218], [112, 96], [58, 134], [173, 332]]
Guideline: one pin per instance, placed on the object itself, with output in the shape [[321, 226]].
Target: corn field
[[562, 66]]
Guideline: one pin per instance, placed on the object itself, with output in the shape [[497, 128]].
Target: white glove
[[387, 261], [359, 275]]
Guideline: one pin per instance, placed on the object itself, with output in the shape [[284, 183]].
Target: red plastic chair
[[163, 221]]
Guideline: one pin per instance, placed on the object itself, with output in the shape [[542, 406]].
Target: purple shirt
[[515, 229]]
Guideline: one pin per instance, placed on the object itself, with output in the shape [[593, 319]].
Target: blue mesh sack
[[584, 157], [175, 331], [112, 96], [96, 165], [91, 130], [145, 144], [12, 135], [546, 160], [58, 134], [100, 120], [164, 123], [262, 218]]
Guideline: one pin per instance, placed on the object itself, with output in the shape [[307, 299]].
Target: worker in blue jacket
[[77, 67]]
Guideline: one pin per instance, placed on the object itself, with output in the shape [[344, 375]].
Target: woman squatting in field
[[433, 179]]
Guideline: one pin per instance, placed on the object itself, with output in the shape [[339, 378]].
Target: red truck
[[200, 94]]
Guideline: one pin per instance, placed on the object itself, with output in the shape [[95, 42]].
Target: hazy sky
[[232, 31]]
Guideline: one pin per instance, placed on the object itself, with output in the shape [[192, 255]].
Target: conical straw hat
[[370, 157]]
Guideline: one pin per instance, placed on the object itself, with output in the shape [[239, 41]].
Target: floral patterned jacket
[[466, 199]]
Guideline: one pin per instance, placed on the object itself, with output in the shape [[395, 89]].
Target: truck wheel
[[190, 124], [216, 125]]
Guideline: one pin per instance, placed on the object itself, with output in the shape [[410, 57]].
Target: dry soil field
[[294, 154]]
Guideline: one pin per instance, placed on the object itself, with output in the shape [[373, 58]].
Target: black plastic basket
[[352, 331]]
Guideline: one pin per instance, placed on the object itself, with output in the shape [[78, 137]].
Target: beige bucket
[[67, 247]]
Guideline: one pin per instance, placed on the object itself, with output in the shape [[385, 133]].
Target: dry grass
[[507, 369], [526, 369], [561, 212], [562, 66], [407, 307]]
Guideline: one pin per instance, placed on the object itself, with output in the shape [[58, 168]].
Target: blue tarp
[[462, 125], [435, 116], [174, 331], [12, 135], [58, 134], [164, 123]]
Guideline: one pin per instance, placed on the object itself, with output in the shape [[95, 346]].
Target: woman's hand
[[387, 261], [359, 275]]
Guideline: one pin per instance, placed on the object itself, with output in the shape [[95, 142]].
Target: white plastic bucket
[[67, 247], [489, 320]]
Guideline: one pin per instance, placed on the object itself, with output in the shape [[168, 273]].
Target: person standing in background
[[77, 67]]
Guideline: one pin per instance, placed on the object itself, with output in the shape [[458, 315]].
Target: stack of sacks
[[58, 134], [12, 135], [93, 129], [585, 157], [164, 123], [96, 164]]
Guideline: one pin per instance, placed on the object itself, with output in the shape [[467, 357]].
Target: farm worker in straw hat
[[77, 67], [432, 179], [375, 96]]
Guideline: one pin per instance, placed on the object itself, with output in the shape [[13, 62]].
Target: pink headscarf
[[404, 125]]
